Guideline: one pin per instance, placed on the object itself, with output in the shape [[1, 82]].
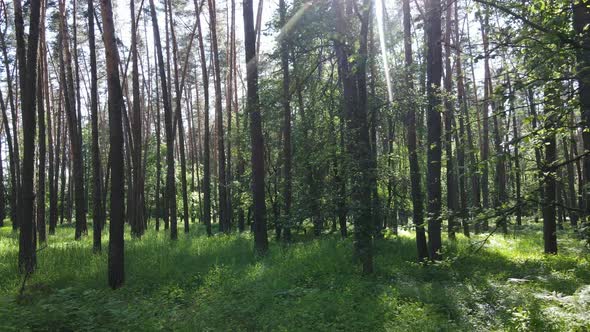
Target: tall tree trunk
[[452, 202], [207, 135], [116, 266], [286, 101], [11, 139], [353, 76], [137, 222], [581, 17], [434, 73], [41, 97], [27, 57], [549, 186], [170, 178], [222, 186], [98, 214], [485, 147], [257, 140], [415, 177], [179, 87], [75, 135]]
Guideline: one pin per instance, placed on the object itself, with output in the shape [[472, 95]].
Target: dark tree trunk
[[434, 73], [581, 11], [137, 222], [170, 178], [73, 126], [353, 72], [452, 202], [116, 266], [550, 186], [485, 147], [222, 186], [13, 148], [286, 100], [417, 196], [98, 214], [27, 57], [257, 140], [42, 147], [207, 135]]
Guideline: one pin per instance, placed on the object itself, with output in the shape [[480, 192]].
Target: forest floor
[[215, 284]]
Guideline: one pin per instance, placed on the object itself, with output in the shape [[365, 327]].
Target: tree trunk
[[170, 178], [417, 196], [257, 140], [352, 71], [452, 202], [98, 214], [75, 135], [207, 135], [581, 16], [434, 73], [116, 266], [27, 57], [41, 97], [549, 186], [222, 185], [286, 100], [137, 220]]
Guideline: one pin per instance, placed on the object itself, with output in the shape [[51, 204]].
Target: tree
[[286, 100], [170, 178], [207, 135], [137, 222], [73, 126], [97, 213], [417, 197], [116, 266], [27, 57], [434, 74], [222, 184], [352, 71], [257, 140]]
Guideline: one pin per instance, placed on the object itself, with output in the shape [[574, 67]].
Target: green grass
[[216, 284]]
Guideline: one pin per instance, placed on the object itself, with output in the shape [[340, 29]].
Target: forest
[[295, 165]]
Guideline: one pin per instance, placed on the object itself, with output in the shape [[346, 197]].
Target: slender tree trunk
[[116, 266], [13, 148], [353, 77], [581, 17], [452, 202], [137, 222], [253, 106], [75, 135], [222, 186], [27, 57], [170, 177], [549, 185], [434, 74], [286, 101], [485, 148], [417, 196], [41, 97], [207, 135], [98, 214]]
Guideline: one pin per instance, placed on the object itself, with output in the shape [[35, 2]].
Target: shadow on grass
[[200, 283]]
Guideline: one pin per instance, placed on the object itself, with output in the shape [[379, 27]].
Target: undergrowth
[[217, 284]]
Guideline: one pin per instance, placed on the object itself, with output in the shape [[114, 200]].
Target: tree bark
[[257, 140], [27, 57], [417, 196], [116, 266], [434, 74]]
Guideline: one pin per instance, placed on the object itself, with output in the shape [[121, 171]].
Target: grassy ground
[[215, 284]]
